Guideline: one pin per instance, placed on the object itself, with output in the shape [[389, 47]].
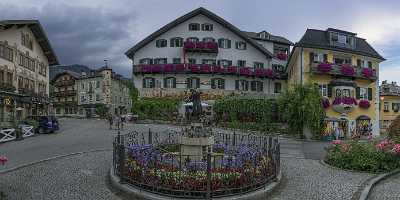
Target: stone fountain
[[196, 140]]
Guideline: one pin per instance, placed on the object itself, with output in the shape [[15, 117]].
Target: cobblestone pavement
[[387, 189], [84, 176]]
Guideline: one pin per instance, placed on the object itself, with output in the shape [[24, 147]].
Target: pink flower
[[336, 142], [396, 148], [380, 146], [3, 160], [370, 137]]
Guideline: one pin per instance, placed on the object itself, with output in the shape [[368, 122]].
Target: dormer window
[[263, 35], [341, 39]]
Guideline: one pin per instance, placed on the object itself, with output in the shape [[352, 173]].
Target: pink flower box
[[200, 45], [232, 69], [179, 67], [324, 67], [146, 68], [205, 68], [218, 69], [189, 45], [348, 70], [194, 68], [345, 100], [367, 72], [168, 68], [211, 45], [259, 72], [245, 71], [282, 56], [156, 69], [269, 73], [364, 104]]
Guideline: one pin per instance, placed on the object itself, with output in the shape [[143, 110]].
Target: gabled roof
[[319, 39], [72, 73], [188, 16], [272, 38], [40, 35]]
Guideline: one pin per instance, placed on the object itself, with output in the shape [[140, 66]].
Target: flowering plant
[[218, 69], [194, 68], [281, 56], [3, 160], [180, 67], [244, 71], [232, 69], [156, 68], [364, 104], [325, 102], [168, 68], [367, 72], [345, 100], [324, 67], [348, 70], [205, 68]]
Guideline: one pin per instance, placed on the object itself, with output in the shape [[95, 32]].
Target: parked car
[[45, 124]]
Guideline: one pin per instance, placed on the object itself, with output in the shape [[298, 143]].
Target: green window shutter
[[165, 82], [325, 58], [237, 84], [220, 43], [144, 83], [392, 106], [223, 83], [370, 94], [253, 86], [369, 64], [189, 83], [171, 42], [213, 84], [229, 44], [246, 85], [237, 45], [197, 83], [358, 93], [261, 86], [329, 90], [311, 57]]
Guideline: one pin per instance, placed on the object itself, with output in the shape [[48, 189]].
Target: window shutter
[[171, 42], [329, 90], [311, 57], [253, 86], [144, 83], [392, 106], [261, 86], [229, 62], [325, 58], [229, 44], [237, 84], [153, 82], [202, 27], [223, 83], [369, 64], [165, 82], [219, 62], [237, 45], [247, 85], [358, 93], [370, 94], [213, 84], [188, 83], [197, 83], [220, 43], [174, 82]]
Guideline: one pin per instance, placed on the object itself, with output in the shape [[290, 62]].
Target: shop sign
[[8, 101]]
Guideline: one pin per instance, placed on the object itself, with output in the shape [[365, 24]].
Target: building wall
[[387, 117], [300, 73], [64, 104]]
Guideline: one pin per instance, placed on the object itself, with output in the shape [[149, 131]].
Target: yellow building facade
[[389, 104], [346, 70]]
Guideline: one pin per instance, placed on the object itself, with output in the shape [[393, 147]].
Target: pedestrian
[[118, 121], [122, 122], [110, 120], [337, 131]]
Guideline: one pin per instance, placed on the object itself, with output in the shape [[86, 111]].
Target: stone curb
[[369, 184], [345, 170], [260, 194], [49, 159]]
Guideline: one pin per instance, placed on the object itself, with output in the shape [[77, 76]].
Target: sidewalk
[[387, 189]]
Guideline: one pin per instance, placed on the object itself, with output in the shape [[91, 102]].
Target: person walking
[[110, 120]]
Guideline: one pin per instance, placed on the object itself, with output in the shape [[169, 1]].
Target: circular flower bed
[[372, 156]]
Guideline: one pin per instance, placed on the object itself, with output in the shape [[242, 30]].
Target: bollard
[[150, 137]]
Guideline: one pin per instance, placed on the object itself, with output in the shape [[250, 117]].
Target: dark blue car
[[46, 124]]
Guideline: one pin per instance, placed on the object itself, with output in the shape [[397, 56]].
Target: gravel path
[[387, 189], [308, 179]]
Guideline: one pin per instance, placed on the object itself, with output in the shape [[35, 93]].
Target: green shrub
[[361, 157], [156, 109]]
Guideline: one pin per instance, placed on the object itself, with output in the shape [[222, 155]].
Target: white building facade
[[25, 56], [202, 51]]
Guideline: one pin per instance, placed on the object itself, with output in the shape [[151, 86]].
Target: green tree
[[300, 106], [101, 110]]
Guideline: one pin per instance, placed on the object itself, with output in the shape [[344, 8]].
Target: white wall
[[251, 54]]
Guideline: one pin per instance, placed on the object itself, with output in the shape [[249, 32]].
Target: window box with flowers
[[218, 69], [205, 68], [324, 67], [367, 72], [232, 70], [194, 68], [282, 56], [245, 71], [364, 104], [347, 70]]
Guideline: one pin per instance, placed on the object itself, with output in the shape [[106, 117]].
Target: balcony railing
[[208, 69], [7, 87], [203, 47], [343, 70], [65, 93]]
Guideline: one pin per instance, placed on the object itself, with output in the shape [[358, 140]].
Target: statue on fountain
[[196, 108]]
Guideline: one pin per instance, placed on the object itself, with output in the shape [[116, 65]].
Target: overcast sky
[[89, 31]]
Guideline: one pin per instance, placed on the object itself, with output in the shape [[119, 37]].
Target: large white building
[[25, 56], [203, 51]]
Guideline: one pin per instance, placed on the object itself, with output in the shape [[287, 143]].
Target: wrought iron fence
[[238, 164]]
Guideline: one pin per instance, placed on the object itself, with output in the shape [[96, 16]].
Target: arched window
[[194, 27], [218, 83], [170, 82], [192, 39], [176, 42], [161, 43], [148, 82], [193, 83], [208, 39], [242, 85], [257, 86]]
